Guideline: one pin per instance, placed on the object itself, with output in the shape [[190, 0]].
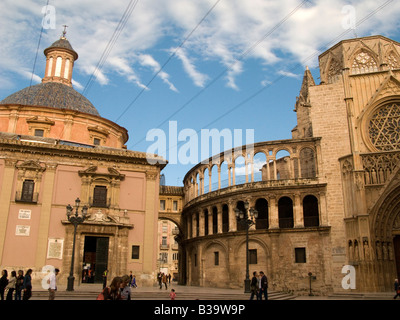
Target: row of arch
[[279, 164], [212, 220]]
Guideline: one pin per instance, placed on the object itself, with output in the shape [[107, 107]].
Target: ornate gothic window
[[384, 127], [363, 63], [393, 62]]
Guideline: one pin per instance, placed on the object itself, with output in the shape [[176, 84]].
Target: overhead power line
[[117, 32], [167, 61], [38, 45], [317, 53], [241, 57]]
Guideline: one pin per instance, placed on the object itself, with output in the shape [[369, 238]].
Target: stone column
[[194, 225], [298, 218], [210, 221], [201, 224], [273, 213], [232, 217], [219, 215], [323, 215]]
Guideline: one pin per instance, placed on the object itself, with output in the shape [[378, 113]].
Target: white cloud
[[199, 78], [230, 29], [148, 61], [289, 74]]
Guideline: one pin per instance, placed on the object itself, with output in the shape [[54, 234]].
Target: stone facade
[[332, 201]]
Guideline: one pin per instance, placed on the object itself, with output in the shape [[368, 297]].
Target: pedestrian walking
[[172, 294], [169, 278], [264, 286], [133, 283], [27, 285], [125, 290], [254, 286], [53, 284], [159, 278], [396, 288], [19, 284], [105, 273], [3, 283], [11, 286], [164, 280]]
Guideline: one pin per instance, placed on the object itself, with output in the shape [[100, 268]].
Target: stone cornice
[[106, 154]]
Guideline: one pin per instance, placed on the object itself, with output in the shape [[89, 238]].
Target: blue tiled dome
[[54, 95]]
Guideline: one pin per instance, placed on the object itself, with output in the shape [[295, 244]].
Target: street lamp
[[76, 220], [246, 218]]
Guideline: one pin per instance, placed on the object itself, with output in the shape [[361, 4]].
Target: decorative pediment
[[99, 131], [43, 121], [30, 165], [390, 87], [95, 173]]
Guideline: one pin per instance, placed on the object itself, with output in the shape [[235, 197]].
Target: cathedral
[[321, 204], [325, 210]]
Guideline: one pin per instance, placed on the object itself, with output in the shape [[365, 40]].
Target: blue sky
[[231, 64]]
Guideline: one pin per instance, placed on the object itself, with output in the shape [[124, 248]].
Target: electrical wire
[[38, 45], [252, 96], [117, 32], [167, 61], [241, 57]]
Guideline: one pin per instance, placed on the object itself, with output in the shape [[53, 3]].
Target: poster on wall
[[55, 249], [23, 231], [24, 214]]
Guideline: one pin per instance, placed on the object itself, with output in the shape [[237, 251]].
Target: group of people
[[259, 286], [119, 289], [163, 279], [17, 287]]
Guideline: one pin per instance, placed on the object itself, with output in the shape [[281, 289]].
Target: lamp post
[[247, 219], [75, 220]]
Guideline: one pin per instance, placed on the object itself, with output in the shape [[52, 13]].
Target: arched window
[[206, 230], [285, 212], [225, 218], [50, 67], [240, 206], [58, 67], [215, 220], [262, 209], [310, 211], [364, 63], [66, 70]]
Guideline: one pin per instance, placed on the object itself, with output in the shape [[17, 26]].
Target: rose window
[[384, 128]]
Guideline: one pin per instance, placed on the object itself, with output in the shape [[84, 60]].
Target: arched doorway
[[386, 238]]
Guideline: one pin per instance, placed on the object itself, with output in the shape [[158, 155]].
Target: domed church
[[57, 152]]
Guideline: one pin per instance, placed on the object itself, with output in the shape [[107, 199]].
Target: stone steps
[[187, 294]]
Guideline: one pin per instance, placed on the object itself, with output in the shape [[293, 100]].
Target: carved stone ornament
[[99, 216]]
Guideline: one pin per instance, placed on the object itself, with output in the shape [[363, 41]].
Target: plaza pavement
[[90, 292]]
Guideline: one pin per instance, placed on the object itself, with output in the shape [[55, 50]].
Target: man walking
[[53, 284], [263, 286]]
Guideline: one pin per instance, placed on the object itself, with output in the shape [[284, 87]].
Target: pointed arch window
[[364, 63]]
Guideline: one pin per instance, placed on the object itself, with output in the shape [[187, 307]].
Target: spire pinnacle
[[64, 31]]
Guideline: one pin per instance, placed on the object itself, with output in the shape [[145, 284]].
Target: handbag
[[101, 295]]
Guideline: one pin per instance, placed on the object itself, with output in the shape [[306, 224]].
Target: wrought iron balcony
[[26, 197]]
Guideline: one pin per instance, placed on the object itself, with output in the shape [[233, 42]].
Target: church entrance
[[95, 259], [396, 246]]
